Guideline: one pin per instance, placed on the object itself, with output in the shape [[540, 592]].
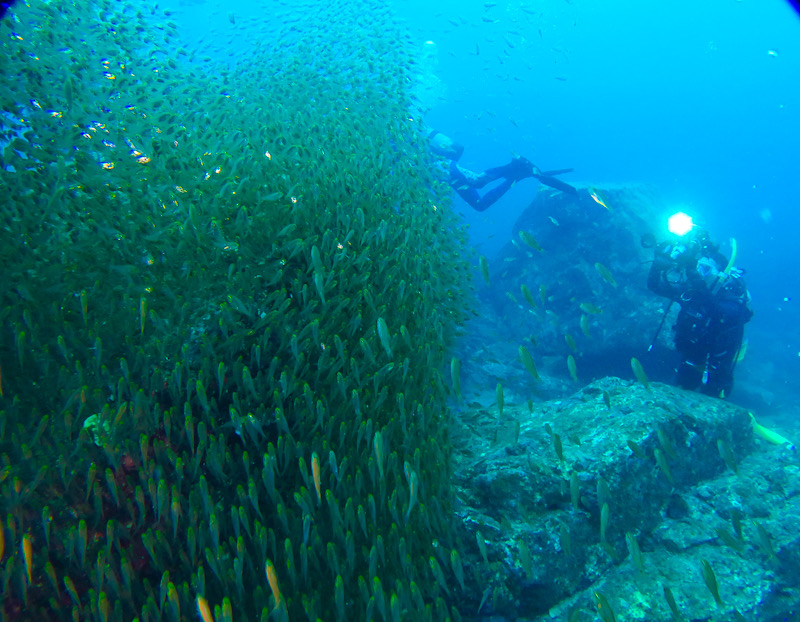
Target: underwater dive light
[[680, 223]]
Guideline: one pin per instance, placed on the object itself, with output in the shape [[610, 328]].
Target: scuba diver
[[715, 305], [467, 183]]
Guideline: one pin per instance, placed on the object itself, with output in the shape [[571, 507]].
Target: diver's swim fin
[[559, 171], [547, 180]]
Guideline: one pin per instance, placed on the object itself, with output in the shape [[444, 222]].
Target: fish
[[727, 455], [636, 449], [438, 574], [142, 314], [673, 606], [711, 582], [315, 470], [27, 554], [638, 371], [413, 488], [605, 274], [764, 540], [484, 265], [729, 539], [272, 579], [565, 537], [499, 398], [635, 551], [605, 513], [599, 197], [385, 338], [769, 435], [458, 568], [606, 612], [663, 465], [527, 295], [379, 451], [529, 240], [482, 547], [204, 610], [588, 307], [572, 367], [585, 325], [559, 448], [527, 361]]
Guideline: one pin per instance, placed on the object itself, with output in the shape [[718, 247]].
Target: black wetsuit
[[714, 309], [466, 183]]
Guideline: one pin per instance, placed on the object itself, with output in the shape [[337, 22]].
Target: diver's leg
[[490, 197], [465, 182], [689, 341], [722, 359], [519, 168], [471, 196], [689, 375], [462, 184]]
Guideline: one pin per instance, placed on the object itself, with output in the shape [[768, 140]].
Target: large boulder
[[678, 471], [587, 280]]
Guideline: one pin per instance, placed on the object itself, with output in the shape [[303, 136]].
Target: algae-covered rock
[[538, 501], [584, 293]]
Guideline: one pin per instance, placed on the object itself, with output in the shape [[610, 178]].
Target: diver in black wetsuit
[[715, 306], [467, 183]]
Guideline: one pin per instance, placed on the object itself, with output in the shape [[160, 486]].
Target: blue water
[[701, 100]]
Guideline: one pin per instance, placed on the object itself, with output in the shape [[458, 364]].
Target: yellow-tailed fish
[[27, 553], [739, 355], [315, 470], [769, 435], [599, 197], [272, 579], [204, 610]]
